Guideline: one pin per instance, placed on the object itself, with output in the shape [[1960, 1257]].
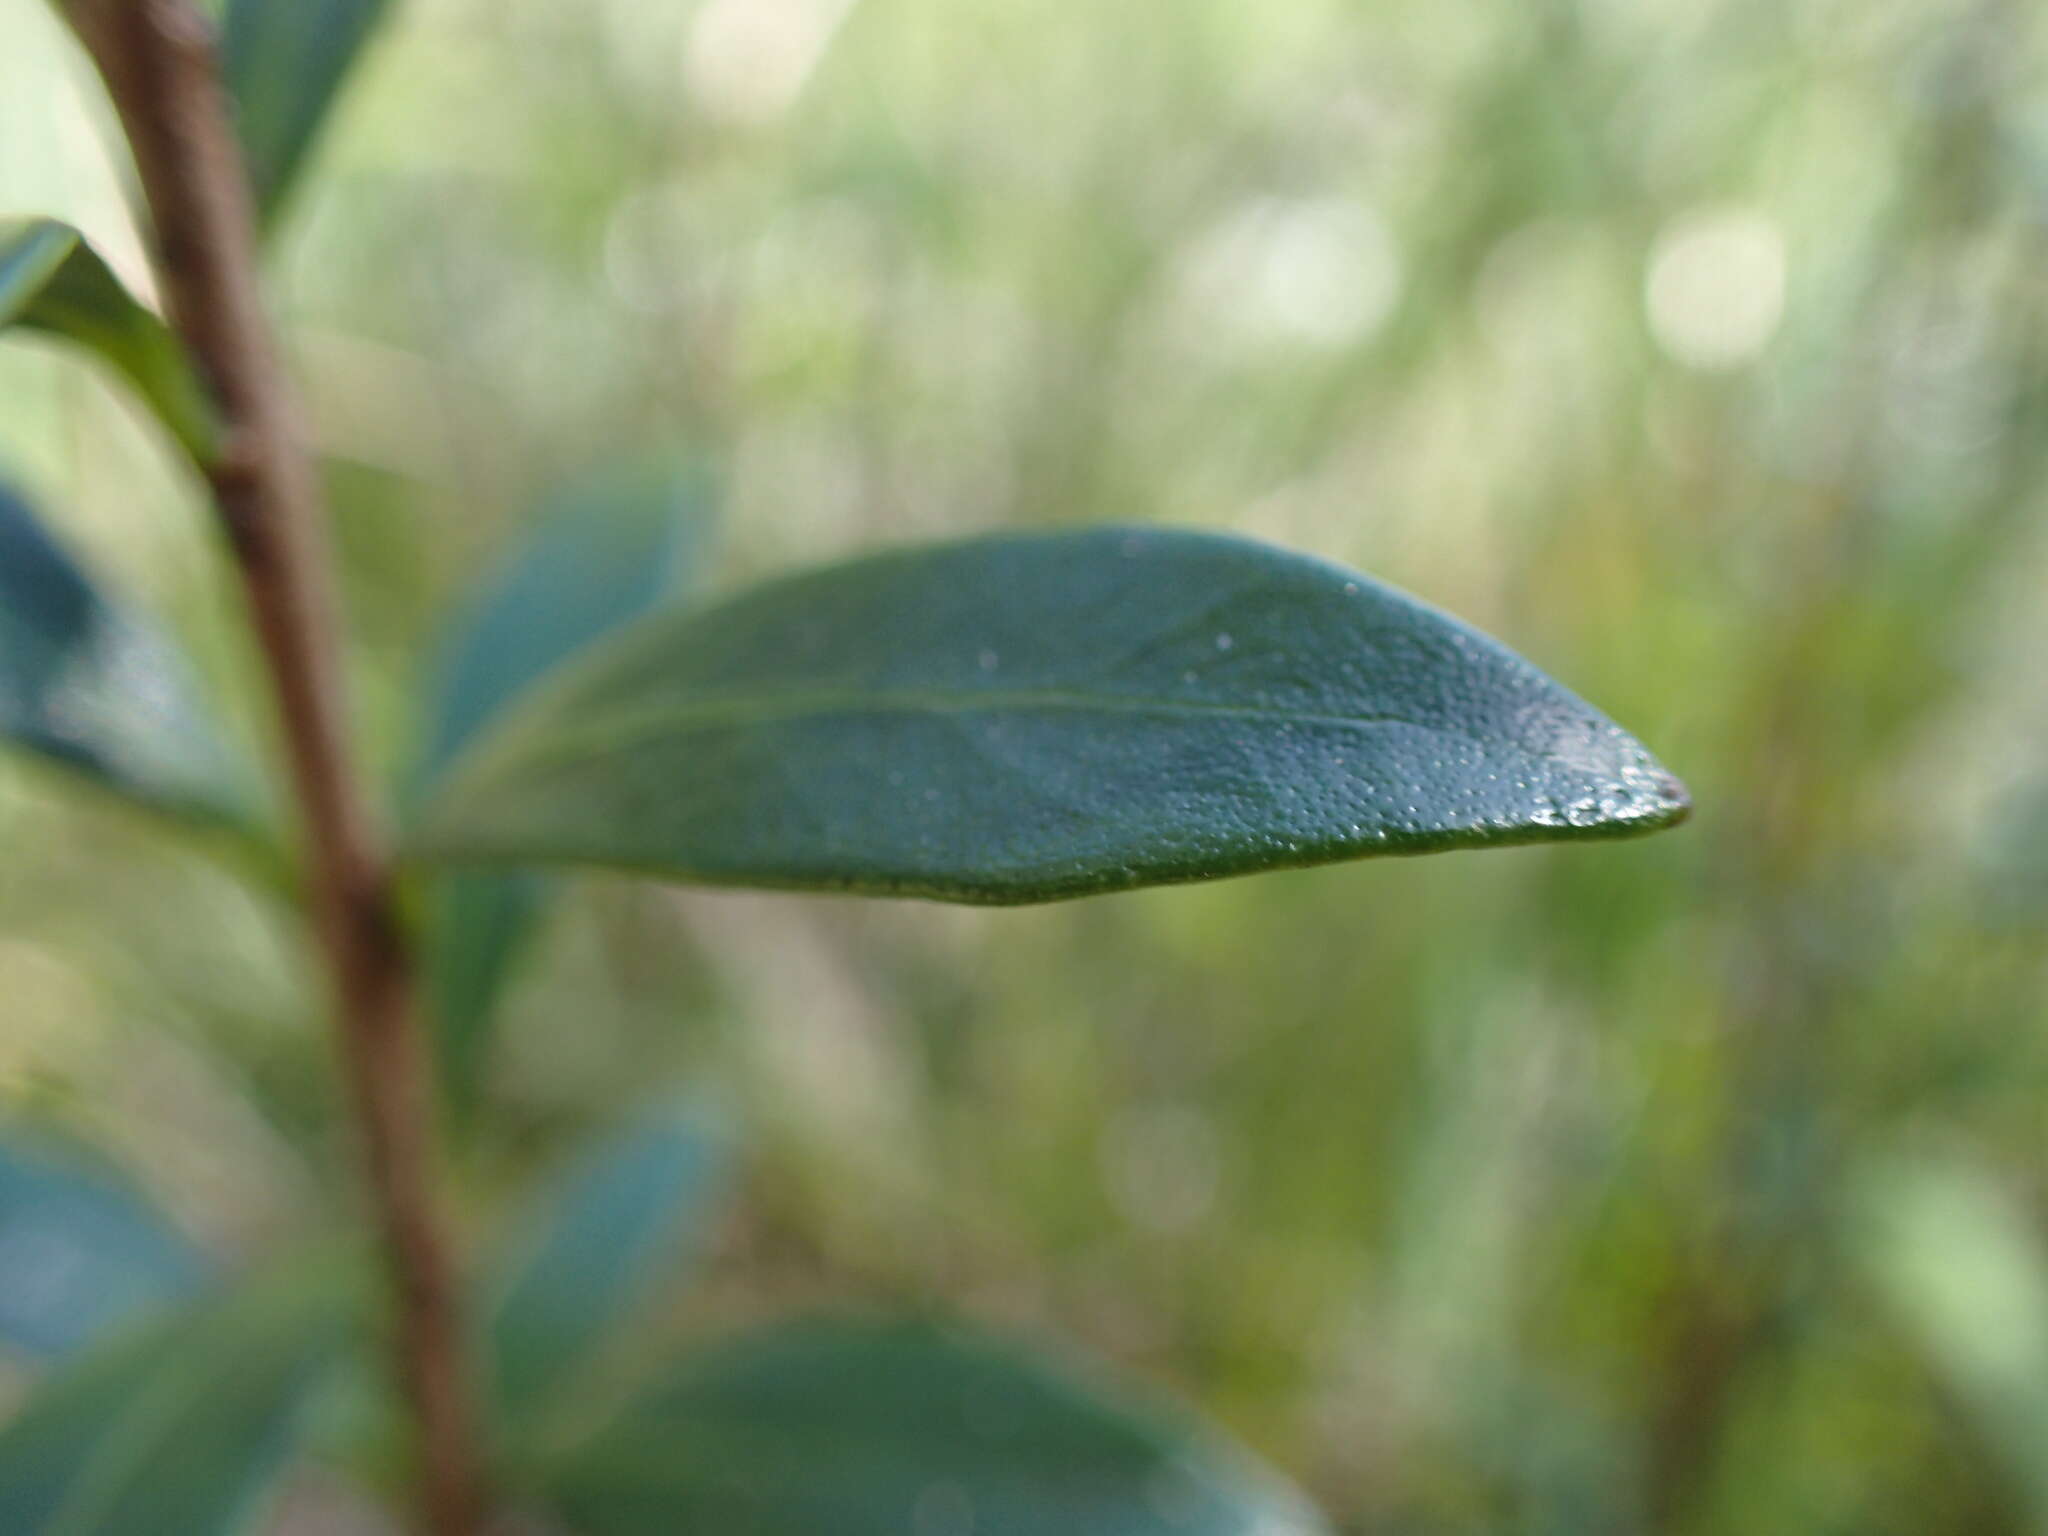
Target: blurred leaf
[[52, 281], [858, 1428], [1965, 1269], [285, 61], [605, 552], [1036, 716], [595, 1244], [90, 687], [481, 923], [79, 1254], [176, 1431]]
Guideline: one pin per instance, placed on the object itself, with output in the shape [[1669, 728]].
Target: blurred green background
[[1696, 348]]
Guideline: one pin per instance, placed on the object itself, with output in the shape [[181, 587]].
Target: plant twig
[[158, 60]]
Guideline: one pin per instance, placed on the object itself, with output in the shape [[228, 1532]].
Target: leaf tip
[[1677, 799], [1657, 797]]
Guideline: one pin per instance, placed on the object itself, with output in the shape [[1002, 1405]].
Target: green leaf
[[1043, 715], [52, 281], [604, 553], [592, 1248], [285, 61], [88, 686], [176, 1431], [80, 1254], [481, 922], [867, 1428]]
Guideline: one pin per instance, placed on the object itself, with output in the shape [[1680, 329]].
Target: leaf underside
[[604, 553], [592, 1248], [1035, 716], [92, 688], [52, 281], [863, 1427], [177, 1430], [285, 62], [80, 1255]]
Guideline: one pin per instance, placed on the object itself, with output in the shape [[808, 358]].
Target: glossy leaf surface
[[79, 1255], [176, 1431], [89, 686], [285, 62], [1028, 717], [595, 1245], [605, 552], [52, 281], [863, 1428]]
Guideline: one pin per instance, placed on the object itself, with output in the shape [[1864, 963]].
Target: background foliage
[[1698, 350]]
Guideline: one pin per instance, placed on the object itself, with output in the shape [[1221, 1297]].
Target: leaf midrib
[[637, 728], [655, 1451]]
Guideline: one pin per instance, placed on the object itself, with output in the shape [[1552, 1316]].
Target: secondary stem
[[158, 60]]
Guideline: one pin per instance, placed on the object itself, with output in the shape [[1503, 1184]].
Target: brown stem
[[158, 60]]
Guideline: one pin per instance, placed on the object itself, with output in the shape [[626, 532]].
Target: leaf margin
[[1651, 798], [64, 288]]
